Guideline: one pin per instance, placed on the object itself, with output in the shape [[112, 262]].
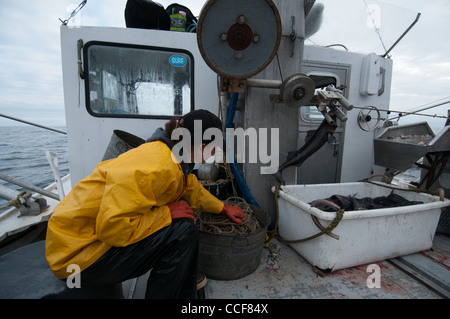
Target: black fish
[[364, 203], [344, 202], [351, 203], [319, 138], [394, 200]]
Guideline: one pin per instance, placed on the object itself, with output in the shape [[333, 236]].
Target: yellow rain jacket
[[123, 201]]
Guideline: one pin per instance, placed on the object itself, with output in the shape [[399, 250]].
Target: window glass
[[131, 81]]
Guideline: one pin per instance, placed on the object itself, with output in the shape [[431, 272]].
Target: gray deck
[[283, 274]]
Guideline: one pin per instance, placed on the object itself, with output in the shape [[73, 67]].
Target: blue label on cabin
[[177, 60]]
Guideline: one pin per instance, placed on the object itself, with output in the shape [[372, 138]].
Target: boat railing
[[28, 204]]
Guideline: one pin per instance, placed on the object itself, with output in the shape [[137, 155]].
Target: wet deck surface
[[283, 274]]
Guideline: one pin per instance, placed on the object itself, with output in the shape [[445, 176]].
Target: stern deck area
[[284, 274]]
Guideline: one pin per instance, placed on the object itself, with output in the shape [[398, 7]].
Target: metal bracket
[[233, 85], [27, 205], [80, 45], [383, 81], [292, 36], [295, 91], [325, 101], [33, 208]]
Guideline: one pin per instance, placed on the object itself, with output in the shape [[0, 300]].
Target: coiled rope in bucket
[[221, 224]]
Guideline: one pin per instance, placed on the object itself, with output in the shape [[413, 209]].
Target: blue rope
[[234, 168], [192, 27]]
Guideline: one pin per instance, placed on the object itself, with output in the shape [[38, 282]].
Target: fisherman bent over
[[135, 213]]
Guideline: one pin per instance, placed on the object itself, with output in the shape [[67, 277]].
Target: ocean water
[[22, 155]]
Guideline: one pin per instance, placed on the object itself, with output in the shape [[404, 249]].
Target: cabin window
[[138, 81], [310, 113]]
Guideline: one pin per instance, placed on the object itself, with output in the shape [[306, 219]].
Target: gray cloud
[[31, 77]]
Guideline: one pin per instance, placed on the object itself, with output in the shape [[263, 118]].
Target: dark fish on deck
[[319, 138], [352, 203]]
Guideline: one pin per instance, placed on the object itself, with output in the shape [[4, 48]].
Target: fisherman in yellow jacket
[[135, 213]]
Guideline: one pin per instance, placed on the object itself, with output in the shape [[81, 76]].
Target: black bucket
[[228, 257], [121, 142]]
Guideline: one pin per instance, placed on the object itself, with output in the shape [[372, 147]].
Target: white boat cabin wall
[[347, 157], [89, 127]]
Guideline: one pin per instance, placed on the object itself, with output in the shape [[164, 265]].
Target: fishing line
[[403, 112], [419, 108]]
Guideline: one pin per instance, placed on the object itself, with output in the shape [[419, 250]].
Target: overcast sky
[[30, 63]]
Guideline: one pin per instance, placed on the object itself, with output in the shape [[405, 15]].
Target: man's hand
[[234, 213], [181, 209]]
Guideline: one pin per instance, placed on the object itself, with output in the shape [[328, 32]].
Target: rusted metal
[[239, 36]]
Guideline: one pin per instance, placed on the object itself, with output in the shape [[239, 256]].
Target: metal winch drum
[[239, 38], [228, 257]]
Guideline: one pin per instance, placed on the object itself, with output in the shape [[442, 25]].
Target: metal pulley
[[297, 90], [239, 38]]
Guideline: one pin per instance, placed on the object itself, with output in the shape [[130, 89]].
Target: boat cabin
[[134, 80]]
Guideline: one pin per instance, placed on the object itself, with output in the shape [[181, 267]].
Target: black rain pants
[[171, 254]]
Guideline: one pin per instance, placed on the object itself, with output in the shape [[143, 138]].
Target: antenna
[[74, 12]]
